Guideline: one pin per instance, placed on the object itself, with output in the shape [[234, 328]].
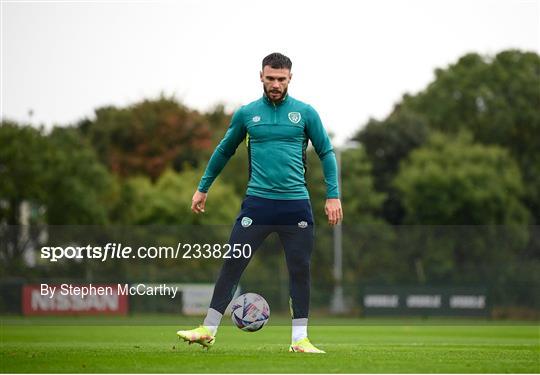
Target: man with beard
[[277, 129]]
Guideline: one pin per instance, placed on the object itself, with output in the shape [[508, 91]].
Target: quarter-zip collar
[[275, 104]]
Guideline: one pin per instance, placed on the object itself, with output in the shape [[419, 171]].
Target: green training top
[[277, 136]]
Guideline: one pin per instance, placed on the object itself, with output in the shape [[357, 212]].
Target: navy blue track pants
[[292, 220]]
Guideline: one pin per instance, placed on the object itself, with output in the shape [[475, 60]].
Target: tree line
[[461, 152]]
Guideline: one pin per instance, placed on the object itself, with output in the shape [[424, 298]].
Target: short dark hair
[[277, 60]]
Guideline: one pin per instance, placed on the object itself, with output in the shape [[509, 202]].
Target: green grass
[[149, 344]]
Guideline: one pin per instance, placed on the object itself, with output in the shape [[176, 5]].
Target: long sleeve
[[223, 152], [321, 142]]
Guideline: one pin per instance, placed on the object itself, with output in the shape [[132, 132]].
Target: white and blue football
[[250, 312]]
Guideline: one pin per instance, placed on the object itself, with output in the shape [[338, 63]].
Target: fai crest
[[303, 224], [295, 117], [246, 221]]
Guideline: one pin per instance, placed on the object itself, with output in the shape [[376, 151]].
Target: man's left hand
[[333, 210]]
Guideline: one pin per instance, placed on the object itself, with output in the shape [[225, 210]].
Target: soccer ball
[[250, 312]]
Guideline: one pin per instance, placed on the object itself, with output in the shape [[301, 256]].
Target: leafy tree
[[161, 212], [168, 200], [473, 190], [22, 167], [360, 203], [496, 99], [386, 144], [58, 176], [454, 181], [148, 137], [219, 121], [79, 188], [23, 177]]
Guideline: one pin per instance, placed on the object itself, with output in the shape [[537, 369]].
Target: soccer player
[[276, 129]]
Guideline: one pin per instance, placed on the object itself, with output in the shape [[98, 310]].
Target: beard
[[266, 92]]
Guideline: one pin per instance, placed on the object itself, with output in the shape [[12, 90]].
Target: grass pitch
[[149, 345]]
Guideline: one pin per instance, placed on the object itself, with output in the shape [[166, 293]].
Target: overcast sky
[[352, 60]]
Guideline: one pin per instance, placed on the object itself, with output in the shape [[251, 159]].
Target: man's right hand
[[198, 202]]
